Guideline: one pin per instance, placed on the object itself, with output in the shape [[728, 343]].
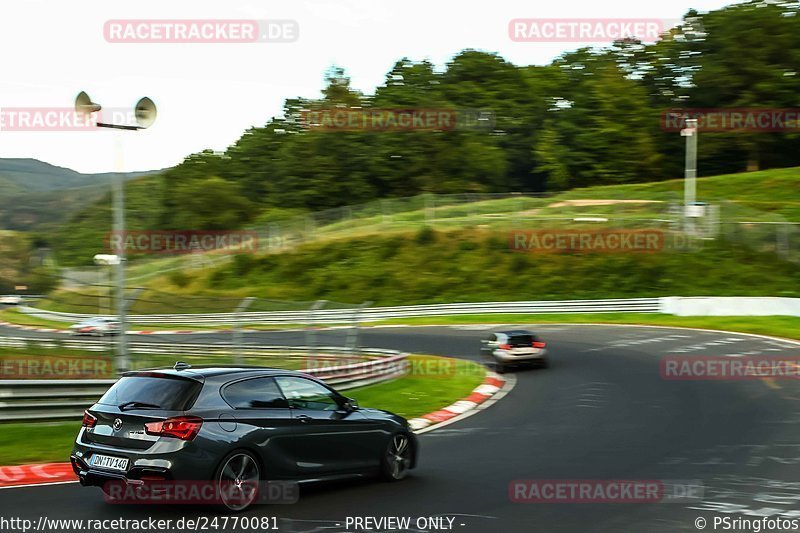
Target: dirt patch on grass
[[588, 202]]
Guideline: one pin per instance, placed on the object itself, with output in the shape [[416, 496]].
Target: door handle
[[305, 419]]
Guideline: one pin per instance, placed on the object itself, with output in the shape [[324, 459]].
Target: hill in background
[[35, 195]]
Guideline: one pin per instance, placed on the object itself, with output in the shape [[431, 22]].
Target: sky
[[208, 94]]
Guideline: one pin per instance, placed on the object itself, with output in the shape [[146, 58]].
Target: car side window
[[303, 393], [257, 393]]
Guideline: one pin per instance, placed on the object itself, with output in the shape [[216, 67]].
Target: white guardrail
[[49, 400], [675, 305], [370, 314]]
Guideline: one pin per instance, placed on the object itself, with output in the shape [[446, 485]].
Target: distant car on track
[[96, 327], [505, 349], [235, 427]]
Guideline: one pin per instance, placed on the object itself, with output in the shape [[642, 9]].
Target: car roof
[[201, 372], [512, 332]]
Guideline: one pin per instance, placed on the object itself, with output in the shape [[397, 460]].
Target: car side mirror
[[350, 404]]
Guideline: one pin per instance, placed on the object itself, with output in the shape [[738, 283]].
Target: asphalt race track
[[601, 411]]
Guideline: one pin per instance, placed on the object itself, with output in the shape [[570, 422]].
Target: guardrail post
[[386, 214], [310, 227], [237, 329], [311, 328], [782, 240], [351, 343], [123, 361], [430, 214]]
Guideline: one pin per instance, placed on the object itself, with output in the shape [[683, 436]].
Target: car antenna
[[180, 365]]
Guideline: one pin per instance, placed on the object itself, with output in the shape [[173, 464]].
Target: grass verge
[[778, 326], [432, 383], [37, 443]]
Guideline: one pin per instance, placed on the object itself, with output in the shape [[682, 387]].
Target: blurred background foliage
[[591, 117]]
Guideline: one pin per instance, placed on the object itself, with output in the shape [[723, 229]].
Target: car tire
[[499, 368], [397, 457], [544, 363], [238, 468]]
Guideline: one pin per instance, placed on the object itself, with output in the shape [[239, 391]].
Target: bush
[[179, 278], [426, 235]]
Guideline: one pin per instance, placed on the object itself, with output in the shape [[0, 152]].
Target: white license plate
[[111, 463], [523, 351]]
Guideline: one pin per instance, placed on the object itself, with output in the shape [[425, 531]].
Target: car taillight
[[88, 420], [539, 344], [180, 427], [505, 346]]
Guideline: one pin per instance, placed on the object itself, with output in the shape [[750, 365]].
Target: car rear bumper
[[137, 475], [161, 463], [506, 357]]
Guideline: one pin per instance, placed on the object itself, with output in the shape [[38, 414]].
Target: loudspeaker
[[145, 112], [84, 104]]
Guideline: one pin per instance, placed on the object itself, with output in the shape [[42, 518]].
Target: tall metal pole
[[145, 113], [123, 364], [690, 174]]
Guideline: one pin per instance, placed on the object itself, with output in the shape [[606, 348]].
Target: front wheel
[[397, 459]]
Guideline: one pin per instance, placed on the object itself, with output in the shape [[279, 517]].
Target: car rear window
[[521, 340], [171, 394]]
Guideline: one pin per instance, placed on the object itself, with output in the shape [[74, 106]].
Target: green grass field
[[765, 195]]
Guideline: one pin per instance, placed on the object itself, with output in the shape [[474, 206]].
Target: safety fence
[[321, 316], [41, 400]]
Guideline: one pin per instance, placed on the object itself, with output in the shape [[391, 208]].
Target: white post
[[690, 173], [123, 364]]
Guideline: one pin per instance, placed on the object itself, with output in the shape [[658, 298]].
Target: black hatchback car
[[235, 425]]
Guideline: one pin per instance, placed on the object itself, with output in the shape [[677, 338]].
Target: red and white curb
[[130, 332], [37, 474], [490, 386], [30, 328]]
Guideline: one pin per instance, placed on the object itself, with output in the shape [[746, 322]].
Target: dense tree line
[[591, 117]]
